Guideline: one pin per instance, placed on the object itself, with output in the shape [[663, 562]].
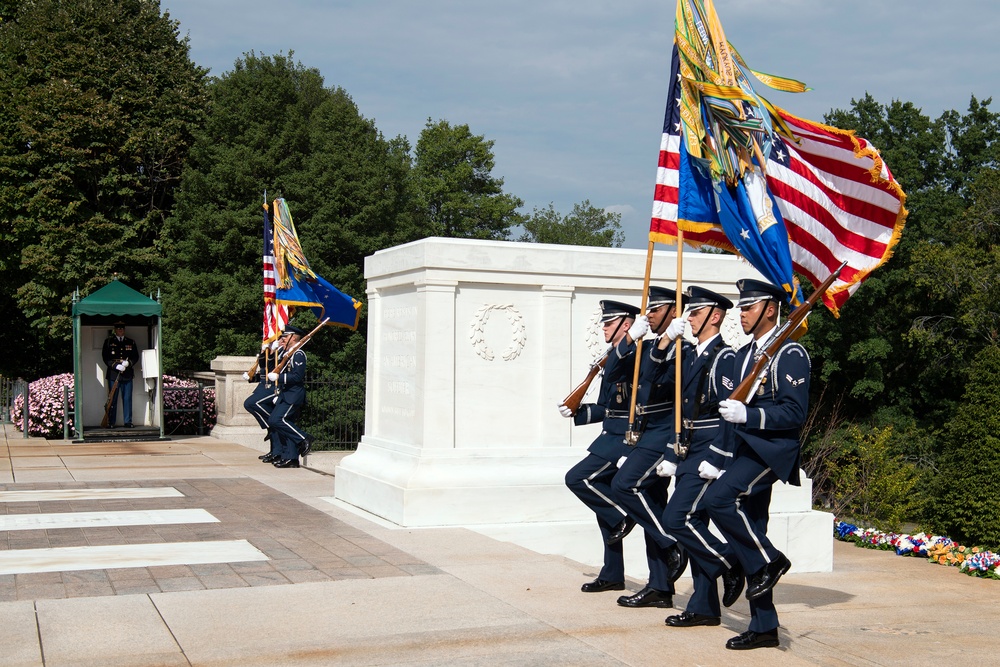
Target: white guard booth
[[93, 320], [471, 346]]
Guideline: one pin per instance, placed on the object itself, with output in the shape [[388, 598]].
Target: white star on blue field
[[573, 93]]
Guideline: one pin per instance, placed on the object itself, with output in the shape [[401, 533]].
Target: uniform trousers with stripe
[[643, 494], [590, 480], [687, 519], [738, 503], [284, 430], [260, 403]]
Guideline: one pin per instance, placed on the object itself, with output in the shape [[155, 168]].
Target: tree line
[[120, 156]]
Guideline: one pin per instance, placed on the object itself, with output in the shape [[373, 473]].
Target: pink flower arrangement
[[45, 414]]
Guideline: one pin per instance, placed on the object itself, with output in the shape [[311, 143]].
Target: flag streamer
[[787, 194]]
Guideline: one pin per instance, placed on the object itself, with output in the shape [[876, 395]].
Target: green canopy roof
[[116, 298]]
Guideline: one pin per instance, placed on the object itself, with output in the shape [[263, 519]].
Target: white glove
[[274, 400], [639, 327], [120, 367], [273, 377], [676, 327], [564, 411], [732, 411], [622, 461], [125, 363], [708, 471], [246, 376], [666, 469]]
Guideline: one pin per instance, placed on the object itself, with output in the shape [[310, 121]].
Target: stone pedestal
[[471, 345], [233, 423]]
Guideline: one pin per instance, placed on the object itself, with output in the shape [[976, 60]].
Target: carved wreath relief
[[477, 336]]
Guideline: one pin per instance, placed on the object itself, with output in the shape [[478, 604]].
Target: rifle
[[111, 400], [576, 396], [298, 346], [745, 388]]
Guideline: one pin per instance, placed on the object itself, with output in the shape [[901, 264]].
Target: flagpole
[[632, 435], [678, 309]]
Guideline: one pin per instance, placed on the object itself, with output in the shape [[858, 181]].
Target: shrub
[[45, 415], [966, 495]]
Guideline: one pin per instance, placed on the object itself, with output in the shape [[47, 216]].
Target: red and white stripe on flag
[[275, 315], [838, 199]]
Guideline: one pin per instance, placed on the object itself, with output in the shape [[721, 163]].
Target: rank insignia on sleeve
[[794, 383], [727, 383]]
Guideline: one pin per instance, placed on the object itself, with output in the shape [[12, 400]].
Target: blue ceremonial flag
[[746, 213], [325, 300], [296, 284], [790, 195]]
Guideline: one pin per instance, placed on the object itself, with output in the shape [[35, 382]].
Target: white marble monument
[[471, 345]]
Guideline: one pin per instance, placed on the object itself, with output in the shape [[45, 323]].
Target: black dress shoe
[[305, 446], [599, 586], [129, 425], [677, 562], [270, 458], [764, 580], [751, 639], [689, 620], [286, 463], [733, 580], [647, 597], [621, 530]]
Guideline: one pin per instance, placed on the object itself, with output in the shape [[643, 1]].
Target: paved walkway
[[123, 554]]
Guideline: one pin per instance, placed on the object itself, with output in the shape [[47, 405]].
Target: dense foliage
[[100, 103], [902, 354]]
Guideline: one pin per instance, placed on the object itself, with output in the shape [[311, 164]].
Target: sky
[[573, 92]]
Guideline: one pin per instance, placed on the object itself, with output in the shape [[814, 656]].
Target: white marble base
[[484, 490], [471, 345]]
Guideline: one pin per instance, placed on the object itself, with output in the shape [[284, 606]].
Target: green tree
[[966, 504], [456, 192], [586, 225], [100, 103], [345, 186]]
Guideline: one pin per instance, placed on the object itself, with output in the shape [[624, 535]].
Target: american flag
[[275, 315], [838, 199]]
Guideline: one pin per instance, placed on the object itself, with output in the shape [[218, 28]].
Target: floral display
[[45, 418], [45, 415], [974, 561]]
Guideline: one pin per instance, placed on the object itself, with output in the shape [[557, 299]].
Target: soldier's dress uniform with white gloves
[[590, 479], [636, 486], [286, 436], [766, 449], [260, 402], [120, 354], [706, 377]]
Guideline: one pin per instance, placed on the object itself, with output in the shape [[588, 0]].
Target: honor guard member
[[766, 449], [287, 439], [636, 486], [706, 377], [120, 354], [590, 479], [260, 402]]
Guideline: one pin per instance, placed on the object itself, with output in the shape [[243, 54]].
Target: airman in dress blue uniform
[[591, 479], [636, 486], [766, 449], [287, 438], [260, 402], [706, 377]]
